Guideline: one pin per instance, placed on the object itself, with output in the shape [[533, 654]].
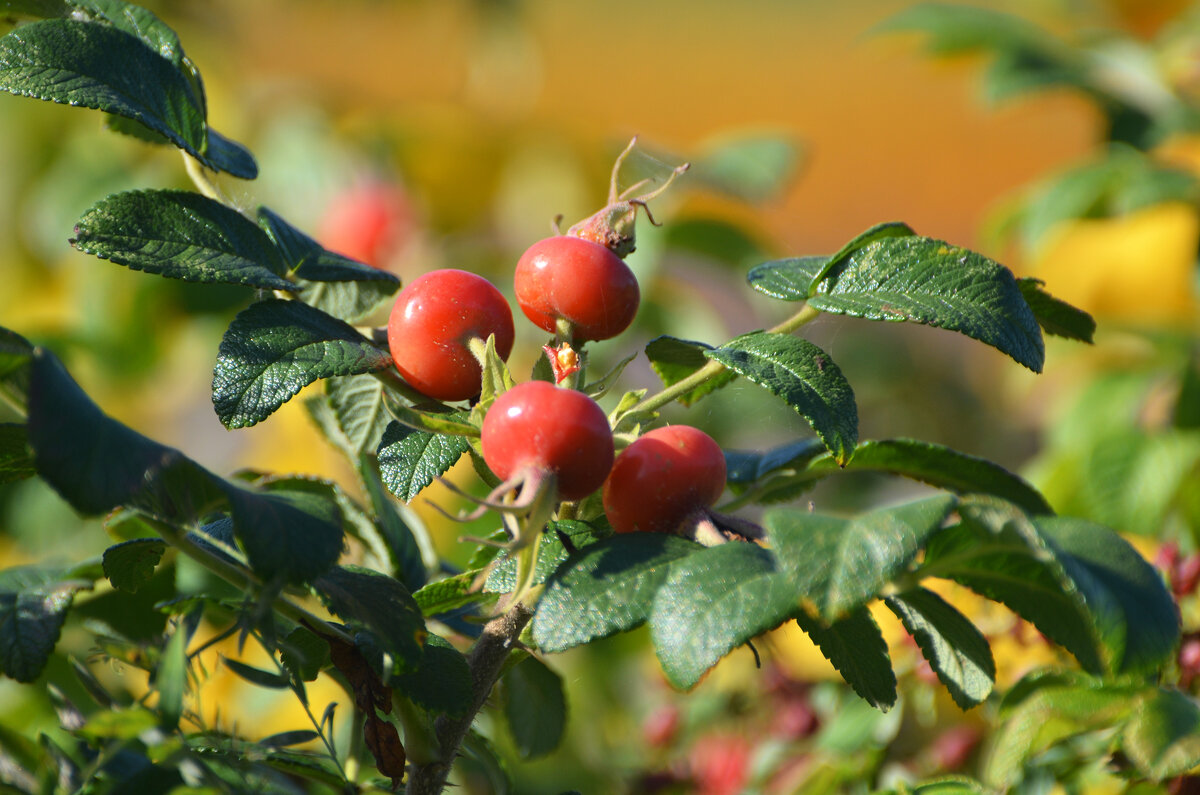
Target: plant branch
[[714, 368], [196, 171], [485, 660]]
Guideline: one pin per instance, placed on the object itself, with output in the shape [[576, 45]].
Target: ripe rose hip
[[368, 222], [577, 280], [432, 322], [539, 427], [663, 477]]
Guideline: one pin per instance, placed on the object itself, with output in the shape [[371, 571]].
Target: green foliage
[[410, 459], [33, 605], [535, 707], [130, 564], [956, 651], [674, 359], [381, 605]]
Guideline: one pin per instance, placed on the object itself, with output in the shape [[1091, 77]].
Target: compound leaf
[[275, 348]]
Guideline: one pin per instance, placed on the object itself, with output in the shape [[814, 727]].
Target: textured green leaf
[[16, 463], [306, 766], [402, 551], [535, 706], [1055, 316], [33, 605], [275, 348], [1079, 583], [450, 593], [441, 683], [551, 554], [927, 281], [452, 423], [754, 167], [106, 68], [958, 653], [1163, 737], [713, 601], [358, 405], [605, 588], [938, 466], [674, 359], [856, 648], [877, 232], [744, 467], [835, 565], [786, 279], [805, 377], [379, 603], [170, 678], [291, 535], [130, 564], [410, 460], [304, 654], [181, 235]]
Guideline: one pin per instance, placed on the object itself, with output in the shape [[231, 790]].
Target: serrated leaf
[[402, 546], [856, 648], [33, 605], [139, 22], [938, 466], [181, 235], [382, 604], [1056, 316], [836, 565], [130, 565], [451, 423], [754, 167], [358, 404], [786, 279], [877, 232], [441, 683], [1079, 583], [743, 467], [275, 348], [605, 588], [170, 678], [290, 535], [106, 68], [713, 601], [535, 707], [805, 377], [304, 654], [928, 281], [306, 766], [1162, 738], [451, 593], [16, 463], [551, 554], [674, 359], [410, 460], [956, 651]]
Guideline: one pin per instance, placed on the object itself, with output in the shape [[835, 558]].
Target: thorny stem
[[240, 578], [485, 660], [714, 368]]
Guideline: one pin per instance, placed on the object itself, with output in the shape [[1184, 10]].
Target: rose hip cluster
[[538, 432]]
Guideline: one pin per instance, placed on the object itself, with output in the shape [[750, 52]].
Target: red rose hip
[[665, 475], [432, 322], [580, 281], [537, 426]]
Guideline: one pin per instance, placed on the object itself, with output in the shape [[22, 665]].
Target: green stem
[[714, 368], [392, 379], [200, 179], [240, 578], [13, 401]]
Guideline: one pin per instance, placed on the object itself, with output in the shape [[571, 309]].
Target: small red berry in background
[[661, 478], [720, 764], [579, 281], [369, 222], [539, 427], [432, 322], [661, 727]]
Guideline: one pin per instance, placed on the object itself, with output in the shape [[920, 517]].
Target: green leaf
[[15, 461], [744, 467], [1163, 737], [452, 423], [290, 535], [674, 359], [410, 460], [877, 232], [273, 680], [441, 683], [605, 588], [97, 66], [1186, 415], [787, 279], [713, 601], [805, 377], [958, 653], [956, 29], [170, 678], [139, 22], [927, 281], [15, 355], [130, 565], [306, 766], [856, 648], [1055, 316], [551, 554], [358, 405], [535, 706], [753, 167], [451, 593], [284, 739], [33, 605], [379, 603], [402, 550], [275, 348], [836, 565], [1079, 583], [181, 235], [496, 380], [118, 724], [304, 654], [938, 466]]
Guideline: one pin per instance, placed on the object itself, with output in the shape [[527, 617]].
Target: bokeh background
[[482, 121]]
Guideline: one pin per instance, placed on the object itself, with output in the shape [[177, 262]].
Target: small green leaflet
[[805, 377], [674, 359], [410, 460], [1055, 316], [535, 706], [275, 348], [170, 678], [379, 603], [181, 235], [551, 554], [33, 605], [856, 648], [130, 564]]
